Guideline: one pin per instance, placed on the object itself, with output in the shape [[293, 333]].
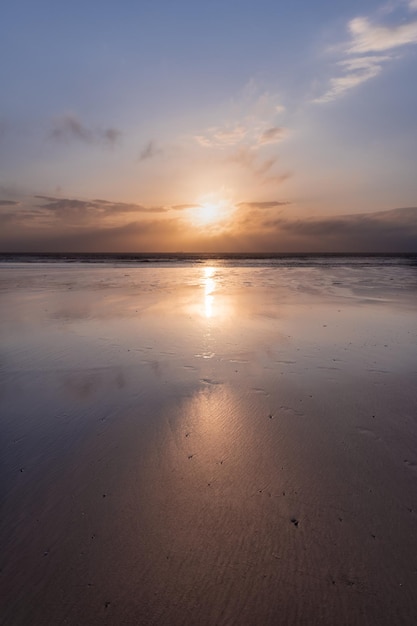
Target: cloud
[[358, 70], [52, 212], [258, 226], [69, 127], [259, 168], [150, 151], [272, 135], [132, 236], [48, 198], [370, 47], [251, 121], [9, 203], [111, 135], [265, 166], [22, 217], [384, 231], [150, 235], [271, 204], [279, 178], [11, 191], [222, 137], [249, 136], [367, 37], [101, 206], [252, 134], [247, 158], [70, 224], [67, 204], [183, 207]]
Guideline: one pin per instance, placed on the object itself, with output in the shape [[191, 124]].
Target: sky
[[223, 126]]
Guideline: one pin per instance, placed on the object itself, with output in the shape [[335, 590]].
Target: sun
[[211, 212]]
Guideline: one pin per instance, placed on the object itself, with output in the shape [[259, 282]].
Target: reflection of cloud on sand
[[87, 384]]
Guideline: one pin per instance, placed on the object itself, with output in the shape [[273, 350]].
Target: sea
[[258, 259]]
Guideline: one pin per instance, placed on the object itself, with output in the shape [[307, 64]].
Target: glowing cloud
[[218, 137]]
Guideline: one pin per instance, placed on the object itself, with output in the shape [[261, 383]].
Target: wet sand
[[208, 445]]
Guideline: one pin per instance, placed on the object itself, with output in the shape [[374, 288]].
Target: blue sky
[[208, 125]]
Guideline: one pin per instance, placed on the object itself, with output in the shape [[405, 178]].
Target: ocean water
[[230, 259]]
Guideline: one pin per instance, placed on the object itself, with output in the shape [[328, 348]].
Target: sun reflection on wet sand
[[217, 304], [209, 287]]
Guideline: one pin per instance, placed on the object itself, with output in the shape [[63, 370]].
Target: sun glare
[[211, 211]]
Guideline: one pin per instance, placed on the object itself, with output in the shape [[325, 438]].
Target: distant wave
[[231, 259]]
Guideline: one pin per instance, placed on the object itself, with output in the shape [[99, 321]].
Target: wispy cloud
[[254, 134], [355, 71], [269, 204], [370, 47], [260, 168], [251, 122], [69, 127], [9, 203], [368, 37], [74, 211], [274, 134], [250, 136], [150, 151], [109, 206], [222, 137], [184, 207]]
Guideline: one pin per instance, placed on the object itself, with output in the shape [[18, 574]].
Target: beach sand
[[208, 445]]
